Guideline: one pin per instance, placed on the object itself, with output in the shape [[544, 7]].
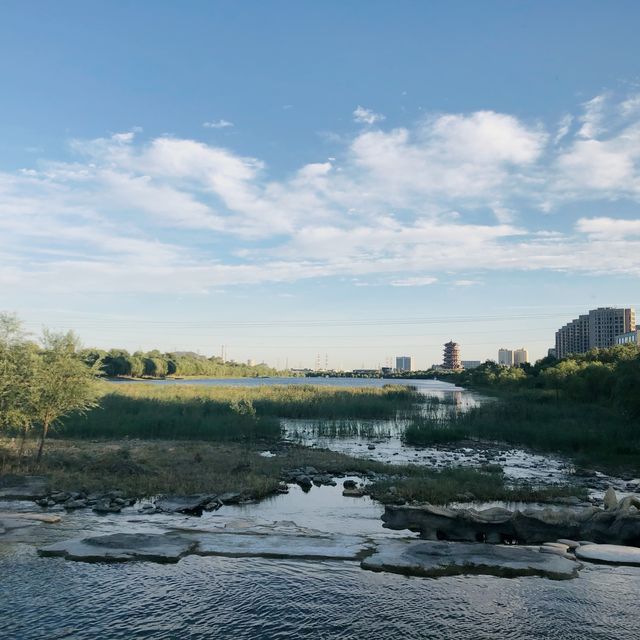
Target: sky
[[318, 182]]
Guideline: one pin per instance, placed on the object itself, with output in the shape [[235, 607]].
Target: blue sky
[[358, 180]]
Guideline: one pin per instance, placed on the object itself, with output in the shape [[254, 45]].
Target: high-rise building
[[403, 363], [597, 329], [505, 357], [451, 358], [520, 356]]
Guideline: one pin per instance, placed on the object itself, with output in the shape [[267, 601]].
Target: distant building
[[251, 362], [505, 357], [386, 371], [451, 359], [403, 363], [631, 337], [551, 352], [597, 329], [520, 356], [470, 364]]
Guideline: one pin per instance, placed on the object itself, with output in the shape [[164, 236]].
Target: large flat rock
[[317, 547], [609, 554], [279, 540], [123, 547], [436, 559]]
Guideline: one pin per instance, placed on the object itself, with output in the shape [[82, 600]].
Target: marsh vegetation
[[231, 413]]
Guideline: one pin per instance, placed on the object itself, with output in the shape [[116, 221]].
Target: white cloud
[[592, 117], [563, 128], [217, 124], [366, 116], [630, 106], [173, 214], [416, 281], [609, 227], [466, 283]]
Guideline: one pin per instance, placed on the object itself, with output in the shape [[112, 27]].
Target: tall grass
[[462, 485], [230, 413], [344, 429], [587, 432]]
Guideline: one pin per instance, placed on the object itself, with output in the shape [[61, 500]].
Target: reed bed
[[589, 433], [230, 413]]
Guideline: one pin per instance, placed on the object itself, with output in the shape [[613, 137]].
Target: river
[[219, 597]]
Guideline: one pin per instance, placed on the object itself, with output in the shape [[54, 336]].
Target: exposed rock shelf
[[280, 540], [619, 524], [436, 559]]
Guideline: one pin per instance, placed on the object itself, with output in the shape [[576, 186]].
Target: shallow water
[[209, 597], [215, 597], [426, 385], [253, 598]]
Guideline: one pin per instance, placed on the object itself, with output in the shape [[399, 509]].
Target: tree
[[556, 377], [627, 385], [63, 384], [18, 361]]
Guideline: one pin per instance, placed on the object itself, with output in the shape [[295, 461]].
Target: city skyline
[[288, 179]]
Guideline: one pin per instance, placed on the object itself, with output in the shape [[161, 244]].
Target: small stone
[[555, 551], [353, 493], [75, 504], [572, 544], [304, 482], [105, 506], [610, 499]]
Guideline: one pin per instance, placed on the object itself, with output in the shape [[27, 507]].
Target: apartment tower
[[595, 330]]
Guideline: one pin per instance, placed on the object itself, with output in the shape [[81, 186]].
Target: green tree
[[18, 361], [63, 384]]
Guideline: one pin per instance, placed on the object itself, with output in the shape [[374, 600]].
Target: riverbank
[[141, 469]]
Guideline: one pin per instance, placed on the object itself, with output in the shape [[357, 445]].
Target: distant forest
[[154, 364]]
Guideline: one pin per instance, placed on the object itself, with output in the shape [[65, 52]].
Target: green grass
[[590, 433], [463, 485], [229, 413]]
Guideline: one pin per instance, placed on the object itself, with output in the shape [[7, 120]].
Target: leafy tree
[[18, 360], [63, 384], [626, 387]]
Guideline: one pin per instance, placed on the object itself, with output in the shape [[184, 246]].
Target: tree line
[[154, 364], [606, 376]]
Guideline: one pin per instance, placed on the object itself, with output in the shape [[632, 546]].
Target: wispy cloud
[[415, 281], [217, 124], [366, 116], [563, 128]]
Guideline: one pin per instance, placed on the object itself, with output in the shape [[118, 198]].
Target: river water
[[217, 597]]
